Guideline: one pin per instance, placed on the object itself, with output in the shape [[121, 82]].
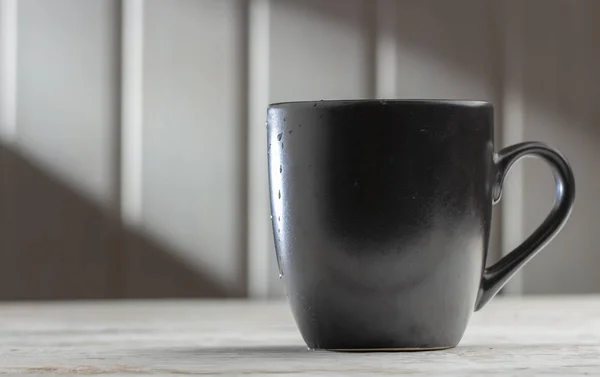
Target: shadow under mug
[[381, 215]]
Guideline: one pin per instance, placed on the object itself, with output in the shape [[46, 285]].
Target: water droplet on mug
[[271, 217], [280, 275], [280, 168], [279, 136], [278, 218], [278, 230], [383, 102], [279, 194], [315, 105], [290, 131]]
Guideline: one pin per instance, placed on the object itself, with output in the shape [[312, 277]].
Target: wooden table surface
[[529, 336]]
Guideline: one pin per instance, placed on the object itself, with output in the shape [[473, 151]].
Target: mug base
[[408, 349]]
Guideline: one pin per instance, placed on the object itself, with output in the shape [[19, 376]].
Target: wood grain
[[559, 335]]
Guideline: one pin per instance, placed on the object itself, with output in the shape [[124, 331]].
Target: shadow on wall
[[56, 244], [458, 49], [455, 49]]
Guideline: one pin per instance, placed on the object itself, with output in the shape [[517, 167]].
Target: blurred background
[[133, 156]]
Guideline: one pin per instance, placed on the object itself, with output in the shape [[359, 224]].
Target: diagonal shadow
[[57, 244]]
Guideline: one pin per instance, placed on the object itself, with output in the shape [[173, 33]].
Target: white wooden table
[[164, 338]]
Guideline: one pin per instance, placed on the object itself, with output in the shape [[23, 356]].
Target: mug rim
[[384, 101]]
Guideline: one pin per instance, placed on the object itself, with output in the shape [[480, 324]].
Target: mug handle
[[496, 276]]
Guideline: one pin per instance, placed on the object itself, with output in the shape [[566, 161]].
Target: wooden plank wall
[[132, 160]]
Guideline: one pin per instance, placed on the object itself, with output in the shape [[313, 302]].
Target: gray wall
[[561, 97], [133, 158]]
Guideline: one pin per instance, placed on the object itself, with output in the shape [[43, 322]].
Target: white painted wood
[[67, 90], [8, 69], [260, 232], [193, 137], [59, 176], [534, 336], [132, 68]]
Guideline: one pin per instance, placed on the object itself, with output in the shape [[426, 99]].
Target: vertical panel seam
[[369, 14], [259, 237], [242, 41], [132, 53], [8, 75], [512, 118], [386, 42]]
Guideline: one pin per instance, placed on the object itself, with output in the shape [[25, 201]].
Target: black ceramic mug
[[381, 214]]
